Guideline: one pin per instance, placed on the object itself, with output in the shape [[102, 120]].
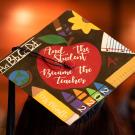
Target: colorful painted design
[[80, 23], [77, 55], [57, 25], [122, 73], [89, 101], [72, 62], [53, 39], [111, 61], [90, 91], [77, 92], [79, 101], [96, 95], [20, 77], [111, 45], [83, 96], [54, 105], [68, 97], [80, 106], [102, 88], [75, 103], [61, 30]]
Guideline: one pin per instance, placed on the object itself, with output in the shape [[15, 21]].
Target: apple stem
[[70, 41]]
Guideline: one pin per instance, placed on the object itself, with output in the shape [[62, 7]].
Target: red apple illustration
[[84, 58]]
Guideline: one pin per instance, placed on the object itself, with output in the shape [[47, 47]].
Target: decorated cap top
[[69, 66]]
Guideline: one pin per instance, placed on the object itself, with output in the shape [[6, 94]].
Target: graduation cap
[[69, 66]]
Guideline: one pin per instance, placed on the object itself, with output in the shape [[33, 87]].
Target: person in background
[[131, 110], [36, 120], [126, 111]]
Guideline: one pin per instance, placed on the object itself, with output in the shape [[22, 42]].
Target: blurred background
[[21, 19]]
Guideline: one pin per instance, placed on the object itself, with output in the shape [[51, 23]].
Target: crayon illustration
[[81, 101], [95, 94], [102, 88], [84, 97], [80, 106], [68, 97], [75, 103], [90, 91]]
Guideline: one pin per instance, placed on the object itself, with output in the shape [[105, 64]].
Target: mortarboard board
[[69, 66]]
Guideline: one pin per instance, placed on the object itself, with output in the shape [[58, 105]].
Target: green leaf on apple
[[53, 39]]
